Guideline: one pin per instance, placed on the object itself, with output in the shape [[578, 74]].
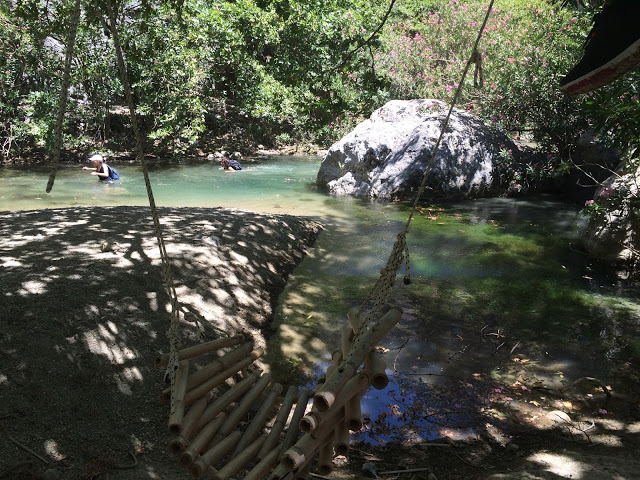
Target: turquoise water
[[277, 185]]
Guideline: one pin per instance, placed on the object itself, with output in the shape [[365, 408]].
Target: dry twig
[[28, 450]]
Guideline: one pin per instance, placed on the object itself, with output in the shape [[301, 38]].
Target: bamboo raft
[[204, 425]]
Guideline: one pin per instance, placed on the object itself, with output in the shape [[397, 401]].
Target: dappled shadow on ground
[[84, 313]]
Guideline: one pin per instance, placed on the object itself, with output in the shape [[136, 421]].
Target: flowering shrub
[[592, 208], [525, 49]]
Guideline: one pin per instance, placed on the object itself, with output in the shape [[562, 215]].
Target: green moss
[[520, 278]]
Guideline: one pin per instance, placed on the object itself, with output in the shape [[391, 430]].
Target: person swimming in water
[[101, 169], [230, 165]]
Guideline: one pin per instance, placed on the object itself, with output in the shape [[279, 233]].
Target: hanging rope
[[400, 252], [64, 91], [174, 341]]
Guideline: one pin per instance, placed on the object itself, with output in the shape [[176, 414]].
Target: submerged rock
[[387, 155]]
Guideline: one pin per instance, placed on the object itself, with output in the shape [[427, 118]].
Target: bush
[[525, 49]]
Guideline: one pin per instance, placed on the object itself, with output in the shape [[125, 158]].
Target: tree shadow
[[81, 327]]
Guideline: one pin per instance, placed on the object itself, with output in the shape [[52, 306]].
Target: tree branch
[[368, 40]]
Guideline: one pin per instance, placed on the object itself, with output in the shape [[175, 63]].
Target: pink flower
[[511, 60], [589, 202]]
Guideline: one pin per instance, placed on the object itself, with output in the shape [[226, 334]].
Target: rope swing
[[204, 430]]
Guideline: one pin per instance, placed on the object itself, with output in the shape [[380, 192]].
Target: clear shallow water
[[278, 185], [480, 268]]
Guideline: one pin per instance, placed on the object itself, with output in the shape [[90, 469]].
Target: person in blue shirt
[[101, 169], [230, 165]]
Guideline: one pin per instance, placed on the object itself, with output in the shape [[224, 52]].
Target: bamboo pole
[[326, 395], [341, 439], [380, 328], [325, 458], [197, 392], [214, 367], [278, 426], [280, 473], [219, 364], [364, 342], [303, 474], [177, 398], [237, 462], [253, 430], [211, 456], [243, 407], [297, 456], [260, 470], [306, 447], [197, 350], [200, 442], [353, 413], [298, 413], [354, 318], [312, 420], [336, 357], [179, 443], [225, 399], [347, 340], [375, 366], [331, 369]]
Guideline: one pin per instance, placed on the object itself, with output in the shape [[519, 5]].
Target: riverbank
[[84, 314]]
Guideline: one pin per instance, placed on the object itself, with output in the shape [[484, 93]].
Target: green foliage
[[614, 114], [293, 69], [525, 49], [21, 55]]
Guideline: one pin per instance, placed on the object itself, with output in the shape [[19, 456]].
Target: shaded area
[[504, 324], [81, 326]]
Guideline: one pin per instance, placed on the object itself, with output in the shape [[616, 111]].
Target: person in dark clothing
[[101, 169], [230, 165]]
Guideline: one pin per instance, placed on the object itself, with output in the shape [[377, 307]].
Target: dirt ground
[[83, 314], [81, 327]]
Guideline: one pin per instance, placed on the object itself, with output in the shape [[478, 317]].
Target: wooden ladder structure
[[206, 413]]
